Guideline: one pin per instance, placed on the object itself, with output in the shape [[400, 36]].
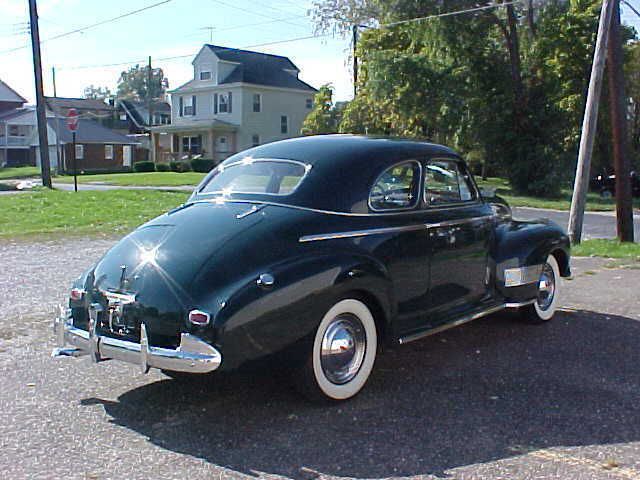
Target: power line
[[631, 7], [93, 25], [253, 12]]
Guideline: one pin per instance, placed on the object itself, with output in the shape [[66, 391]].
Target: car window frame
[[418, 199], [307, 168], [462, 203]]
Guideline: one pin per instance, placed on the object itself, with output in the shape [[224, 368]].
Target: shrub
[[163, 167], [202, 165], [180, 167], [144, 167]]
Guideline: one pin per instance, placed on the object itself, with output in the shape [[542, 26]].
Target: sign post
[[72, 125]]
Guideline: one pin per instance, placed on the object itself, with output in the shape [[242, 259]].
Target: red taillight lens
[[76, 294], [198, 317]]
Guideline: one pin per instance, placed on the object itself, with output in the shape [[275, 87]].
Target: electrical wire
[[631, 7], [93, 25]]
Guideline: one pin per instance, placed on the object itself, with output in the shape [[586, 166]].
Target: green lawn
[[114, 212], [9, 173], [151, 179], [607, 248], [594, 202]]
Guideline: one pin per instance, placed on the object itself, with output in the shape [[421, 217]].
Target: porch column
[[153, 137], [213, 145]]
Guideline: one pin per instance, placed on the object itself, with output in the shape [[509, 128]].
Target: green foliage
[[97, 93], [180, 166], [324, 116], [507, 84], [202, 165], [133, 84], [163, 167], [146, 166]]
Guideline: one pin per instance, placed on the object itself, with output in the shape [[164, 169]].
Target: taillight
[[76, 294], [198, 317]]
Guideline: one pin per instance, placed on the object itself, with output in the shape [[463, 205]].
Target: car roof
[[343, 167]]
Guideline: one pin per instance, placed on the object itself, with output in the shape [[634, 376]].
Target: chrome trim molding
[[222, 200], [442, 328], [519, 304], [193, 355], [515, 277], [381, 231]]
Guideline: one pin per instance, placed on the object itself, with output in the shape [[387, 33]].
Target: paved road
[[492, 399], [596, 224]]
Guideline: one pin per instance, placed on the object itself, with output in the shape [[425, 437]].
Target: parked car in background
[[316, 251], [605, 185]]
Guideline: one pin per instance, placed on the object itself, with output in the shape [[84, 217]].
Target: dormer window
[[206, 75]]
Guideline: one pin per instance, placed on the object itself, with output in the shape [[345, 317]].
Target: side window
[[445, 183], [397, 187]]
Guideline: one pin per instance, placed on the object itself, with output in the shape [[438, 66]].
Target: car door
[[459, 234]]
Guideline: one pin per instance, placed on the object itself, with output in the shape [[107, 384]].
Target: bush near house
[[144, 166], [202, 165], [163, 167], [180, 167]]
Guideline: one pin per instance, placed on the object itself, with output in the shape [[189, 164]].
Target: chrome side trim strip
[[360, 233], [221, 200], [442, 328], [516, 277], [379, 231], [519, 304]]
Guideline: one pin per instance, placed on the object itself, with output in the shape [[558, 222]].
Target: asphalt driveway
[[492, 399]]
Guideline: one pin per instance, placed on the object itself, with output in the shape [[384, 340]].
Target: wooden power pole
[[355, 60], [589, 124], [618, 109], [40, 106]]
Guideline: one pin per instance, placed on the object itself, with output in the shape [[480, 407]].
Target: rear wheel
[[547, 301], [342, 355]]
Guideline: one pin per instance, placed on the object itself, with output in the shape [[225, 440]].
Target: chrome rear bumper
[[192, 355]]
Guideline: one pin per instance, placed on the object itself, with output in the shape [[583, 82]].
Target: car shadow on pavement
[[492, 389]]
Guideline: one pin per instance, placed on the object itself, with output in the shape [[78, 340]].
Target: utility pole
[[57, 123], [589, 124], [355, 60], [618, 109], [149, 107], [40, 106]]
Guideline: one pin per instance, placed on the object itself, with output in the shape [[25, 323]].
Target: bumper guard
[[192, 355]]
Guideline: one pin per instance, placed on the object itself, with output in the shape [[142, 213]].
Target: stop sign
[[72, 119]]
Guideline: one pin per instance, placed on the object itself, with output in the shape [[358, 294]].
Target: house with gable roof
[[237, 99]]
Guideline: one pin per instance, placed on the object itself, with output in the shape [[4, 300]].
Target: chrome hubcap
[[546, 287], [343, 348]]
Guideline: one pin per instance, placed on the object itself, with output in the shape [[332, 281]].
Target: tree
[[134, 84], [97, 93], [632, 79], [324, 116]]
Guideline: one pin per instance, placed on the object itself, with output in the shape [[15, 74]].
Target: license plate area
[[116, 319]]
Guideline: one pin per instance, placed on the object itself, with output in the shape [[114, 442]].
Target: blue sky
[[179, 27]]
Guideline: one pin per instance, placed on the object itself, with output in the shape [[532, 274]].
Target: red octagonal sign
[[72, 119]]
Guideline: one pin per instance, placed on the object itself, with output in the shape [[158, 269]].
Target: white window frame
[[79, 151], [284, 124], [222, 144], [222, 95], [205, 72], [253, 102], [187, 102], [108, 152]]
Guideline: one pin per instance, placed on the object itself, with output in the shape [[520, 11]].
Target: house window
[[284, 124], [79, 152], [189, 108], [309, 103], [191, 145], [257, 102], [205, 75], [108, 152], [223, 145], [223, 103], [255, 140]]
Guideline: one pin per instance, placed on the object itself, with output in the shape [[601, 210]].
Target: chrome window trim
[[220, 200], [381, 231], [307, 168], [418, 196], [457, 161]]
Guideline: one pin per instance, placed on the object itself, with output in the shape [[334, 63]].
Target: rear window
[[271, 177]]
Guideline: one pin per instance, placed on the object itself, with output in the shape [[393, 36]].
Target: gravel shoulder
[[493, 399]]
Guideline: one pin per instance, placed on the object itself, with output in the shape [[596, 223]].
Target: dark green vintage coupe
[[317, 251]]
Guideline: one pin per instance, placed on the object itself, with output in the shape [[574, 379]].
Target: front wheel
[[343, 353], [547, 301]]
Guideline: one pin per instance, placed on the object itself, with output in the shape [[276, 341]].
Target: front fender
[[257, 321], [527, 244]]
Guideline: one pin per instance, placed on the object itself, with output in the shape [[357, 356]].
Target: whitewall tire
[[343, 352], [548, 299]]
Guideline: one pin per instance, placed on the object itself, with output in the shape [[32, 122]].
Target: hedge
[[180, 167], [163, 167], [202, 165], [144, 167]]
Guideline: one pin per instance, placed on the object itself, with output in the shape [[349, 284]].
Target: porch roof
[[196, 126]]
